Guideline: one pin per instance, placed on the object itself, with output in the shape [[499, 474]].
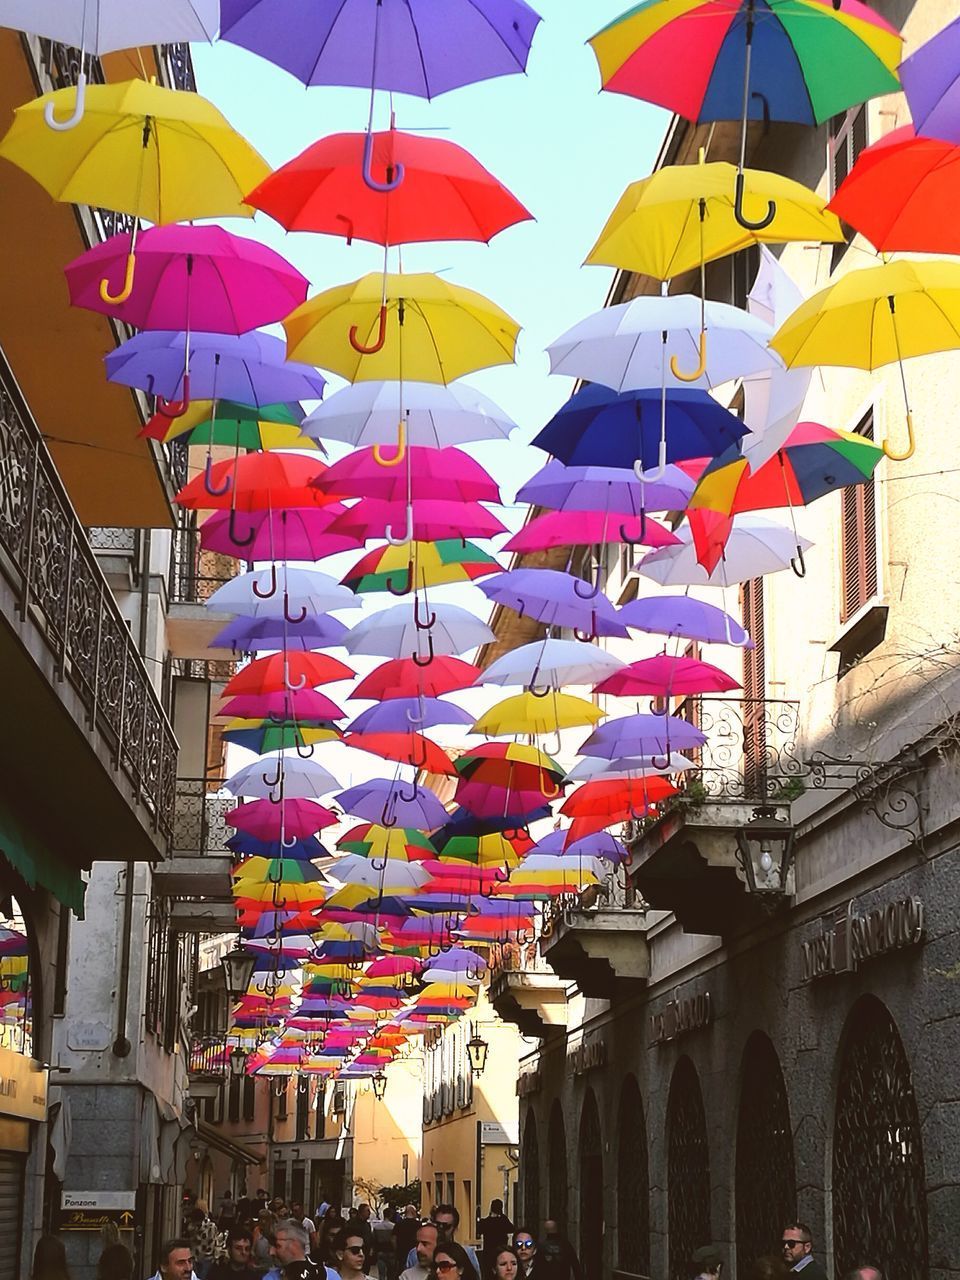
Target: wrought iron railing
[[119, 542], [751, 751], [195, 574], [199, 827], [516, 957], [176, 60], [208, 1056], [47, 559]]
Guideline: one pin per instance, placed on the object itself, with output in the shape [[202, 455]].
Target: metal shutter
[[11, 1213]]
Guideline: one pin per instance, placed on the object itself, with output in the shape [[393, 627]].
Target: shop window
[[16, 995], [633, 1183], [530, 1174], [591, 1190], [688, 1170], [557, 1166], [765, 1179], [847, 137]]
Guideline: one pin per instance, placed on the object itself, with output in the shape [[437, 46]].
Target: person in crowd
[[525, 1243], [557, 1257], [115, 1263], [424, 1246], [359, 1221], [865, 1271], [797, 1245], [176, 1260], [290, 1244], [768, 1268], [707, 1264], [505, 1265], [331, 1224], [385, 1244], [49, 1260], [446, 1218], [452, 1262], [350, 1253], [202, 1234], [227, 1213], [298, 1214], [238, 1264], [263, 1235], [407, 1229], [494, 1231]]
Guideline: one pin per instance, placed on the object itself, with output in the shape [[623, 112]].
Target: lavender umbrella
[[404, 715], [555, 598], [684, 616], [251, 369], [931, 80], [384, 801], [250, 635], [599, 845], [613, 489], [642, 735], [405, 46]]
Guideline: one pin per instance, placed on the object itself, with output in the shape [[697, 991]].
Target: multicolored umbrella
[[414, 566]]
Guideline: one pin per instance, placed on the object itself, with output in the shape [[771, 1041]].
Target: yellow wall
[[384, 1132]]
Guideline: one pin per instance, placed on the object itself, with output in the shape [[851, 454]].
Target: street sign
[[96, 1219], [98, 1199], [494, 1134]]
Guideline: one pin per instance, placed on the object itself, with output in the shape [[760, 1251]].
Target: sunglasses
[[791, 1244], [355, 1248], [444, 1266], [524, 1244]]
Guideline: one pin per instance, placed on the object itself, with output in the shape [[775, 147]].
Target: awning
[[206, 1133], [30, 855]]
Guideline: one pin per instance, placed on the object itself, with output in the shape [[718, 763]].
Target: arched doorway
[[766, 1181], [879, 1193], [633, 1183], [688, 1170], [530, 1175], [591, 1189], [557, 1170]]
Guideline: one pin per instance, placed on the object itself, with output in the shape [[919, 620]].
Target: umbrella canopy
[[261, 736], [371, 840], [405, 678], [554, 598], [405, 714], [552, 663], [643, 735], [292, 533], [287, 776], [404, 46], [444, 193], [383, 801], [391, 326], [397, 632], [255, 482], [600, 845], [577, 528], [527, 713], [684, 616], [283, 672], [302, 708], [605, 489], [755, 546], [426, 520], [663, 675], [285, 593], [448, 471], [616, 801], [266, 820], [249, 635], [433, 415], [102, 26], [413, 566], [931, 81], [406, 747]]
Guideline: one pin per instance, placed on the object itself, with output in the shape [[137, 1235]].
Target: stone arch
[[591, 1218], [633, 1182], [766, 1188], [688, 1170], [529, 1208]]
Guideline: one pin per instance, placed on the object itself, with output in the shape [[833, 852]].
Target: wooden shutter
[[754, 689], [848, 137], [859, 577]]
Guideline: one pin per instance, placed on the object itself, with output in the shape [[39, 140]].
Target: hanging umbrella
[[104, 26], [382, 801], [400, 631], [373, 841], [434, 415], [449, 472], [551, 663], [283, 671], [265, 820], [554, 598], [629, 768], [577, 528], [305, 850], [286, 776], [877, 316], [684, 616], [406, 678], [600, 845], [405, 747], [666, 676], [404, 714], [413, 566], [930, 80], [608, 490], [643, 735], [243, 426], [291, 533], [756, 546], [525, 713], [403, 46], [303, 708], [288, 593], [394, 875], [255, 482], [250, 635], [427, 520], [616, 801]]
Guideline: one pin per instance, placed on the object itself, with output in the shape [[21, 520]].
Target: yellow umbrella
[[164, 155], [526, 713], [874, 317], [414, 328]]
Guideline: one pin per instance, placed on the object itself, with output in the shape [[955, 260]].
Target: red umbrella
[[617, 800], [256, 481], [404, 678], [427, 189], [289, 670], [407, 748]]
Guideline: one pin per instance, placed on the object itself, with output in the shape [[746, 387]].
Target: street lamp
[[477, 1050], [238, 1061], [765, 850], [379, 1086], [237, 966]]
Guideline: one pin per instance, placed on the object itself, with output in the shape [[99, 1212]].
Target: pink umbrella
[[297, 533], [294, 818], [428, 520], [203, 279], [305, 704], [663, 675], [431, 472], [583, 528], [394, 967]]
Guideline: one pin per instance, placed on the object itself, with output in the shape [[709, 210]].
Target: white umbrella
[[552, 663], [289, 776], [624, 347], [400, 632], [390, 875], [291, 592], [102, 26], [756, 546], [432, 415]]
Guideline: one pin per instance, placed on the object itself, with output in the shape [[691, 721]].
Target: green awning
[[27, 851]]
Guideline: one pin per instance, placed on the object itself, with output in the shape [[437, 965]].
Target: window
[[847, 138], [249, 1098], [858, 540], [303, 1109], [754, 691], [282, 1098], [233, 1101]]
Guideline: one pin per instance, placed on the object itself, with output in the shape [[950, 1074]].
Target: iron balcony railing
[[200, 828], [195, 574], [209, 1056], [751, 752], [47, 559]]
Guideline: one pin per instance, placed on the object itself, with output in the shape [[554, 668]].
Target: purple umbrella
[[405, 46], [251, 369], [406, 715], [642, 735], [250, 635], [931, 80], [684, 616], [555, 598], [460, 960], [295, 533], [384, 801], [613, 489], [601, 844]]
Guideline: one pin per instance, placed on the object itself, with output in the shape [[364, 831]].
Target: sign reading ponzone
[[847, 939]]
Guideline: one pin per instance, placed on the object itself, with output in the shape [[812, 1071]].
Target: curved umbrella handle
[[634, 542], [288, 844], [388, 817], [695, 374], [587, 595], [266, 595], [738, 213], [539, 693], [659, 706], [728, 634], [275, 781], [293, 685], [235, 534], [661, 763], [407, 583], [391, 183], [399, 453], [208, 484], [114, 299], [587, 636], [294, 621], [548, 795], [342, 217], [378, 341], [415, 719], [896, 456], [304, 754], [423, 624], [413, 794], [425, 662], [407, 535], [71, 122], [798, 564], [175, 408]]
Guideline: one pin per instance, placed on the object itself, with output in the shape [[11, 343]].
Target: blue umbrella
[[251, 635], [404, 715], [300, 851]]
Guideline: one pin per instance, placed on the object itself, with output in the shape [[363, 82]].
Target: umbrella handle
[[423, 624], [587, 595], [407, 535], [738, 213], [625, 537], [208, 484], [292, 685], [659, 707], [294, 621], [695, 374], [414, 719], [378, 341], [407, 583], [392, 182], [275, 781], [896, 456], [539, 693], [288, 844], [342, 217], [114, 299], [413, 795], [798, 564], [548, 795], [655, 473], [388, 819], [234, 534], [425, 662], [174, 408], [728, 634], [377, 865], [305, 755], [71, 122], [587, 637], [266, 595], [399, 453]]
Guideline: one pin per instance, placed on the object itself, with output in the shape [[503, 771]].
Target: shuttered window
[[847, 138], [858, 540], [754, 690], [11, 1213]]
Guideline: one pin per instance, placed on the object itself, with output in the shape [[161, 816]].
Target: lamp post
[[379, 1086], [238, 1060], [237, 966], [765, 851], [477, 1050]]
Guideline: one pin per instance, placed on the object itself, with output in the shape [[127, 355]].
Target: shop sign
[[586, 1057], [23, 1086], [680, 1016], [847, 939], [96, 1219], [98, 1199], [528, 1083], [493, 1134]]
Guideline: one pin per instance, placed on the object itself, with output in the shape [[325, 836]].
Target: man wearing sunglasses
[[797, 1245], [446, 1218], [350, 1252]]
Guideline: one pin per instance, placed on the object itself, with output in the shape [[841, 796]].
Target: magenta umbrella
[[203, 279], [584, 528], [303, 704], [268, 821], [429, 520], [296, 533], [663, 675], [432, 472]]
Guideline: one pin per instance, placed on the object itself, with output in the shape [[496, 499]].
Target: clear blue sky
[[565, 149]]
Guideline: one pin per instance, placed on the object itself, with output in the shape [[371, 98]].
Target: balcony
[[199, 863], [195, 575], [602, 948], [688, 861], [524, 990], [208, 1065], [91, 749]]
